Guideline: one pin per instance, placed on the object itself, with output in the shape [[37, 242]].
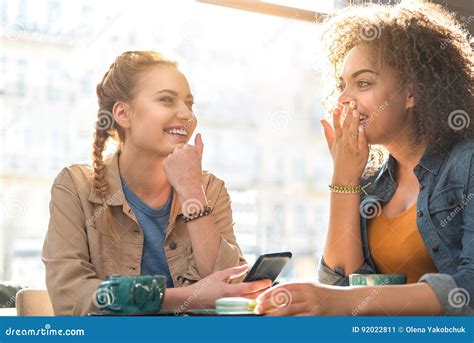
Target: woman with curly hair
[[147, 209], [404, 76]]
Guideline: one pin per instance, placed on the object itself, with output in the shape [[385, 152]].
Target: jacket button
[[450, 200], [417, 167], [173, 245], [435, 248], [419, 213]]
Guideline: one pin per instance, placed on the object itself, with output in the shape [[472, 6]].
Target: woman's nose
[[344, 98], [185, 115]]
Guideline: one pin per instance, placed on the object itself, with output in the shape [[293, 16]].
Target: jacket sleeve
[[70, 277], [229, 254], [336, 276]]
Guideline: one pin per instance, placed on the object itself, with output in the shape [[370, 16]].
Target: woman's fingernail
[[352, 104]]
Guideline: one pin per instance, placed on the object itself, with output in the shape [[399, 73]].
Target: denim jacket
[[445, 219]]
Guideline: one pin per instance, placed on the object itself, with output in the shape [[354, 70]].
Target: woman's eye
[[190, 105], [340, 87], [363, 83], [167, 99]]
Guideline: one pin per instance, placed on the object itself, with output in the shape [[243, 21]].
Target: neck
[[143, 172], [406, 155]]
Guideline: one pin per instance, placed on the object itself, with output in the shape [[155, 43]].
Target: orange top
[[396, 246]]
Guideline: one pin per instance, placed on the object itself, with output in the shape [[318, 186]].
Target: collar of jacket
[[382, 184], [430, 161], [115, 195]]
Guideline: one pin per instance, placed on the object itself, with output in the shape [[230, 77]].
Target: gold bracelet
[[345, 189]]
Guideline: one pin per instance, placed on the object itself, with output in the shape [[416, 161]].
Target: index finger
[[336, 120], [250, 287]]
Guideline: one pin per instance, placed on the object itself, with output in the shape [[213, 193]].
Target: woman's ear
[[410, 101], [121, 113]]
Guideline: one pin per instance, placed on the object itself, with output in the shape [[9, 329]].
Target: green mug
[[131, 293], [377, 279]]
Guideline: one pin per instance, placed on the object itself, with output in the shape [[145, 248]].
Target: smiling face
[[160, 117], [383, 103]]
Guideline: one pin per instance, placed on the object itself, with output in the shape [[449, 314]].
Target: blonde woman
[[404, 76], [149, 208]]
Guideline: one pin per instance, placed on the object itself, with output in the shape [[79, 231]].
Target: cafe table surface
[[202, 312], [9, 311]]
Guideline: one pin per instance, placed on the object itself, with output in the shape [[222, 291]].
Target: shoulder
[[459, 161], [75, 177], [463, 148], [211, 183]]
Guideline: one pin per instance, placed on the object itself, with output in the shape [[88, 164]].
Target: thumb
[[328, 133], [199, 145], [231, 273]]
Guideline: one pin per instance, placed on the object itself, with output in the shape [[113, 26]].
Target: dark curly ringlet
[[428, 48]]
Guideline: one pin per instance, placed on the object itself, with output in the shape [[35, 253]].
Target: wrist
[[192, 193], [359, 299], [173, 299], [345, 180]]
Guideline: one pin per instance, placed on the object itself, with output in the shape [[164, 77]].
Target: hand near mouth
[[347, 143], [184, 171]]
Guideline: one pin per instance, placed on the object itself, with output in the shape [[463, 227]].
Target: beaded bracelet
[[345, 189], [189, 217]]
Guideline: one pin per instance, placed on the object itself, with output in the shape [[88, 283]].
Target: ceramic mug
[[377, 279], [131, 293]]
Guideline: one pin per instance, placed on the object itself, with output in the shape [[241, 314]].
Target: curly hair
[[118, 84], [428, 48]]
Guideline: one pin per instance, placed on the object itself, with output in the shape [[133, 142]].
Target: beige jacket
[[80, 251]]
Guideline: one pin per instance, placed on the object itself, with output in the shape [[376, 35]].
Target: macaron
[[235, 305]]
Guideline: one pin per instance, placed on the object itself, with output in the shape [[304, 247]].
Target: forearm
[[343, 243], [176, 297], [205, 238], [396, 300]]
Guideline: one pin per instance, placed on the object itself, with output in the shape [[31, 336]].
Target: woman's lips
[[177, 137], [363, 120]]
